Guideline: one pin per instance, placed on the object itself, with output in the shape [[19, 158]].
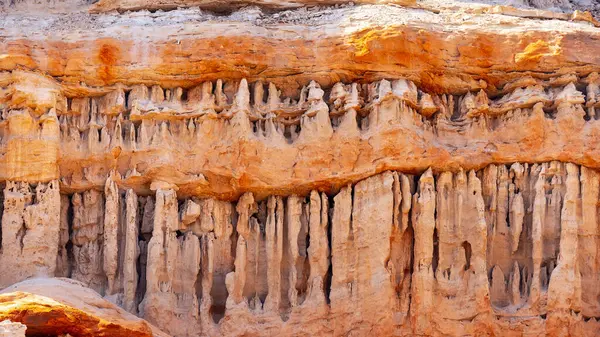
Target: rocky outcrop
[[444, 252], [431, 45], [220, 5], [11, 329], [63, 307], [359, 130], [448, 253], [87, 239], [30, 231], [389, 168]]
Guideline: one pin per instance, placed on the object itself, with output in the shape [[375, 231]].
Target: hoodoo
[[300, 168]]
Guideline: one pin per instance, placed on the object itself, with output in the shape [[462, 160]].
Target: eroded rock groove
[[506, 241]]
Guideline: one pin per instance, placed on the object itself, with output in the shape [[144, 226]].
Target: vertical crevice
[[198, 284], [217, 311], [234, 234], [139, 294], [467, 249], [410, 268], [198, 288], [524, 282], [262, 287], [303, 265], [128, 106], [286, 265], [69, 245], [145, 223], [222, 256], [329, 274], [1, 216], [436, 251]]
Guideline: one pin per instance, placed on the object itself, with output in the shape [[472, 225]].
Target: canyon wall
[[448, 244], [214, 139], [372, 169], [504, 250]]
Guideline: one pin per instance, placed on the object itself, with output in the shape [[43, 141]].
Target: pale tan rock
[[172, 269], [63, 267], [236, 280], [372, 219], [342, 255], [588, 249], [191, 212], [318, 250], [131, 253], [222, 254], [426, 105], [111, 235], [423, 273], [30, 231], [12, 329], [87, 239], [281, 276], [564, 288], [274, 250]]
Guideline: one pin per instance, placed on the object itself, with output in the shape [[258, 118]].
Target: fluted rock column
[[63, 266], [221, 216], [460, 271], [111, 235], [538, 217], [207, 260], [236, 280], [274, 234], [476, 234], [172, 267], [318, 250], [372, 223], [30, 231], [589, 243], [564, 289], [294, 227], [422, 282], [87, 237], [342, 251], [130, 255], [401, 246]]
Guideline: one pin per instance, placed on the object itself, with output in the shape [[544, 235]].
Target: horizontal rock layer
[[502, 250], [226, 6], [219, 138], [443, 50]]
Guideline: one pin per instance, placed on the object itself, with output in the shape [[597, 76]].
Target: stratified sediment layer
[[226, 138], [442, 50]]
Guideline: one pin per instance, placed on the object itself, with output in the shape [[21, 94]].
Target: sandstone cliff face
[[501, 250], [211, 140], [369, 169]]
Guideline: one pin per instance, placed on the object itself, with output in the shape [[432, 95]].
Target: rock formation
[[378, 168], [64, 307], [10, 329]]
